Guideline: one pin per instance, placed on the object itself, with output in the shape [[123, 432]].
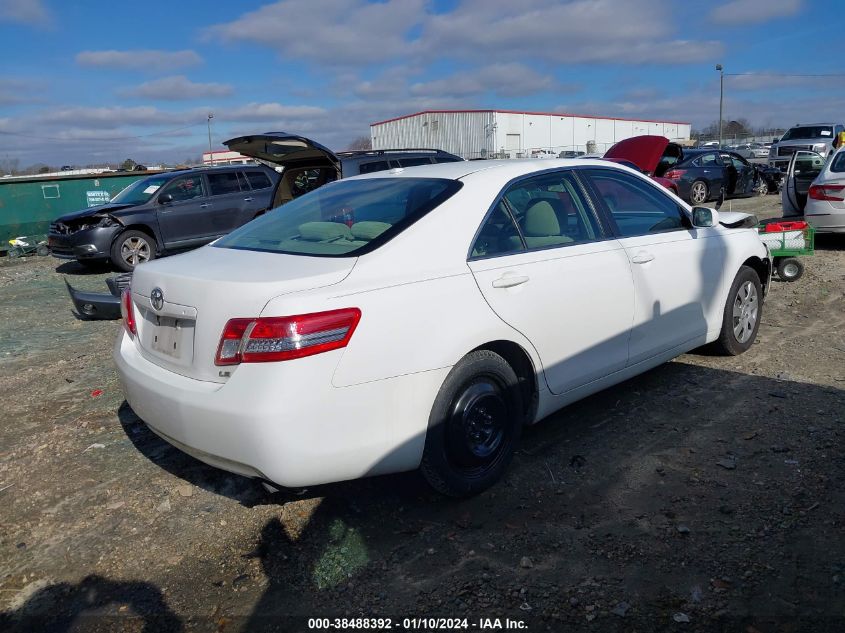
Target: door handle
[[247, 199], [205, 205], [509, 280], [642, 257]]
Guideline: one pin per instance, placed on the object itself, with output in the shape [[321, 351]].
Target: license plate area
[[167, 334], [167, 340]]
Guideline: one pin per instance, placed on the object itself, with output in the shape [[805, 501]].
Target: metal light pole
[[721, 99], [211, 151]]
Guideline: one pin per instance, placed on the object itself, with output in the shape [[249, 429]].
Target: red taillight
[[127, 311], [674, 174], [827, 192], [285, 338]]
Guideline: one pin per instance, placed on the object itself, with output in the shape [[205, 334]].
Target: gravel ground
[[706, 494]]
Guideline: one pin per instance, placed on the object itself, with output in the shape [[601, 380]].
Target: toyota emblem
[[157, 299]]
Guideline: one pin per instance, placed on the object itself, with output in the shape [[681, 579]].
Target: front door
[[184, 220], [676, 269], [547, 269], [804, 167]]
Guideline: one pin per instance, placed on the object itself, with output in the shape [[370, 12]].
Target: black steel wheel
[[474, 427]]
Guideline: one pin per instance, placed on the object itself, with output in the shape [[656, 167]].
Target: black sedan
[[701, 175]]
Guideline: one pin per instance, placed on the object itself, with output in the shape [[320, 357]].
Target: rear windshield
[[346, 218], [838, 164], [813, 131]]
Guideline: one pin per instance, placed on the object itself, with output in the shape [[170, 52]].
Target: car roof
[[503, 169]]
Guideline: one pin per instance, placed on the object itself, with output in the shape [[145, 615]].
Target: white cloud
[[506, 79], [19, 91], [177, 88], [579, 31], [753, 11], [332, 32], [31, 12], [263, 112], [153, 60]]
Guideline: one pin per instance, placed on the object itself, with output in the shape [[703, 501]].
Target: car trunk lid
[[182, 303]]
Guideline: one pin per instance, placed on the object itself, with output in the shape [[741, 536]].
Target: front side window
[[635, 206], [186, 188], [346, 218], [223, 183]]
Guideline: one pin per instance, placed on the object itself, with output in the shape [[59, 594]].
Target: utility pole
[[211, 151], [721, 99]]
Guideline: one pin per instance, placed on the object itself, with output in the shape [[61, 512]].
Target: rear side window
[[257, 180], [223, 183], [346, 218], [376, 165], [548, 211], [413, 162], [447, 159], [637, 207], [707, 160]]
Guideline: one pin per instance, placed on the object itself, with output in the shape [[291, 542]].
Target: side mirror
[[704, 217], [165, 198]]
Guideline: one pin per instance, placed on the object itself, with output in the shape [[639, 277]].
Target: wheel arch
[[522, 364], [763, 268], [143, 228]]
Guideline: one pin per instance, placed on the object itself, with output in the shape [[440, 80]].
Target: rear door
[[676, 269], [229, 201], [804, 167], [545, 266], [184, 221], [286, 150], [260, 192]]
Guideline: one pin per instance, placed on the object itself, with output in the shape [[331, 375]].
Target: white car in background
[[419, 318], [752, 150], [814, 188]]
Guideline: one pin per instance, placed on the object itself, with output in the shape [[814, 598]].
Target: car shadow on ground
[[635, 464], [830, 241], [93, 604]]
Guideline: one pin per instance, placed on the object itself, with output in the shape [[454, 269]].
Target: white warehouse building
[[511, 134]]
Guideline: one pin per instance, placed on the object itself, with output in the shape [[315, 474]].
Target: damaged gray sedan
[[164, 213]]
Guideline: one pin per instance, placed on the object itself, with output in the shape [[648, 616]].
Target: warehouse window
[[50, 191], [435, 125]]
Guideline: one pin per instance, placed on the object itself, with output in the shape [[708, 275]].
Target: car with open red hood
[[697, 175], [645, 153]]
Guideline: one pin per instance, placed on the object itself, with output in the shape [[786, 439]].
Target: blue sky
[[80, 78]]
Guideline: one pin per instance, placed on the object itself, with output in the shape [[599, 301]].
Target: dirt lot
[[707, 494]]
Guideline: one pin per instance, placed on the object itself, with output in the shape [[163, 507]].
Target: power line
[[784, 75], [113, 138]]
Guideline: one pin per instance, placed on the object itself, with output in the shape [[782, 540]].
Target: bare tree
[[9, 166], [362, 142]]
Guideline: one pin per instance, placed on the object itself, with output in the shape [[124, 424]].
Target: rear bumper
[[825, 220], [94, 305], [284, 422], [90, 244]]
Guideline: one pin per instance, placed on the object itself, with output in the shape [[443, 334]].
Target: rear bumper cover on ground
[[99, 305]]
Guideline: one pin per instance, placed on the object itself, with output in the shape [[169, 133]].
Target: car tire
[[742, 315], [131, 248], [699, 192], [790, 269], [761, 188], [474, 426]]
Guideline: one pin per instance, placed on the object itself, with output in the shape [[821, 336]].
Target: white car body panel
[[364, 409], [827, 216]]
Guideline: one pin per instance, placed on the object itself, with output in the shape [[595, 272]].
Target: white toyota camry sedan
[[419, 318]]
